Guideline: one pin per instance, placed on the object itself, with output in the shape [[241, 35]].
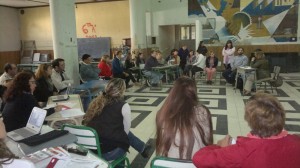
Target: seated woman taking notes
[[20, 101]]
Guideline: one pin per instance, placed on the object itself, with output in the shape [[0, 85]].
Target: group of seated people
[[183, 125], [258, 62]]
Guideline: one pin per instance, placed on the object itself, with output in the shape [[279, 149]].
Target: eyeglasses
[[32, 82]]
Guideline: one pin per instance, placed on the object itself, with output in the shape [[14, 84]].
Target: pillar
[[199, 33], [64, 35]]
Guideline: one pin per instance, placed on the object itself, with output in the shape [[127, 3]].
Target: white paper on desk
[[71, 113], [74, 163], [68, 104]]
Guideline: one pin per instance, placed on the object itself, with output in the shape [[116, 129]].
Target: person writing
[[20, 102]]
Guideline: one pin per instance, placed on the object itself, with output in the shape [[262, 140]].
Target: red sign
[[89, 30]]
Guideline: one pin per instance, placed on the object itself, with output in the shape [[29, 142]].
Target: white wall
[[170, 12], [9, 29]]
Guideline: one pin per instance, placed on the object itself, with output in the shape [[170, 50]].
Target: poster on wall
[[247, 21]]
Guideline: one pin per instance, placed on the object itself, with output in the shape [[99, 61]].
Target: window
[[188, 32]]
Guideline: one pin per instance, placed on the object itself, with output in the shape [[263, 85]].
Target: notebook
[[33, 126], [62, 97]]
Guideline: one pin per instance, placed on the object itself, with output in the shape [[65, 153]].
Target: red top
[[105, 69], [253, 152]]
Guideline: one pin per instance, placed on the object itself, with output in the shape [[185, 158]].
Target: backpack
[[239, 83], [276, 82]]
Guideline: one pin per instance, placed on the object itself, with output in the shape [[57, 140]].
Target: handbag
[[276, 82]]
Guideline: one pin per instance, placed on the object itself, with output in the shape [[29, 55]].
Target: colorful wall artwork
[[247, 21]]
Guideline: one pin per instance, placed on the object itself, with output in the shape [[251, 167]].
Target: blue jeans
[[154, 76], [134, 141]]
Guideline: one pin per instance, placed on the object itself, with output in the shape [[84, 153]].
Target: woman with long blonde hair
[[110, 116]]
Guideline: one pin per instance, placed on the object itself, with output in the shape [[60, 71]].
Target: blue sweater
[[117, 68]]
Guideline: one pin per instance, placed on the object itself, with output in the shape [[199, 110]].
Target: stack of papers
[[71, 113]]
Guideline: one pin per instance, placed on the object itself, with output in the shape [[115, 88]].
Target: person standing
[[201, 48], [228, 54], [183, 53]]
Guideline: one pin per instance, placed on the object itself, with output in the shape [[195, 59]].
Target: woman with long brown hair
[[183, 125]]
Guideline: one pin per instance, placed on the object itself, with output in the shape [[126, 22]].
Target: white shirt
[[126, 112], [4, 77], [57, 80], [200, 61]]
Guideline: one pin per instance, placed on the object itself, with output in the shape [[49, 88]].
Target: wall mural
[[247, 21]]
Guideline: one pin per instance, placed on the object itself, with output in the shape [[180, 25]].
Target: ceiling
[[36, 3]]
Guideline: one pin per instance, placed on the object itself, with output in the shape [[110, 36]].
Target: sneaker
[[146, 151]]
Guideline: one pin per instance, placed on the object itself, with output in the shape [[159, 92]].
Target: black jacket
[[151, 62], [43, 91], [17, 111], [215, 62], [110, 128]]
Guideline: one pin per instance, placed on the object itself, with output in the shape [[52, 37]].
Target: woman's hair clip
[[104, 93]]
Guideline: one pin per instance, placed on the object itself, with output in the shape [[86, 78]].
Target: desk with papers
[[73, 110]]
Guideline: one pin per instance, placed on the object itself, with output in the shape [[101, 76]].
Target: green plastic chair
[[165, 162], [88, 138]]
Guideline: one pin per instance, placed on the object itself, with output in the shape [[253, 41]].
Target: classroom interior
[[142, 25]]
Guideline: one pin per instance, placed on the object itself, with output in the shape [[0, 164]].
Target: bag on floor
[[276, 82], [240, 84]]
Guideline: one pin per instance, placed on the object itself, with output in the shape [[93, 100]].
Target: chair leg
[[127, 164]]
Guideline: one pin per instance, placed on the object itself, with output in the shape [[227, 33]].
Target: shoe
[[211, 82], [207, 82], [146, 151]]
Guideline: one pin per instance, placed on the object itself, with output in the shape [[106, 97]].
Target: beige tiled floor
[[233, 109]]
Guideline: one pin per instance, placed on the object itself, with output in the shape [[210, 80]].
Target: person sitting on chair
[[189, 63], [59, 78], [110, 116], [238, 61], [268, 144], [87, 71], [118, 70], [10, 71], [103, 65], [262, 70], [154, 76], [199, 64], [183, 125], [211, 64]]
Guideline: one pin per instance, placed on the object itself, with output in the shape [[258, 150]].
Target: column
[[199, 32], [64, 35]]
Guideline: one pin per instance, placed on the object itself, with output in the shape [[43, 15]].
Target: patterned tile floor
[[225, 104]]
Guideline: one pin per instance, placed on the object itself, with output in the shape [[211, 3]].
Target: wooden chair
[[268, 80], [164, 162], [88, 138]]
